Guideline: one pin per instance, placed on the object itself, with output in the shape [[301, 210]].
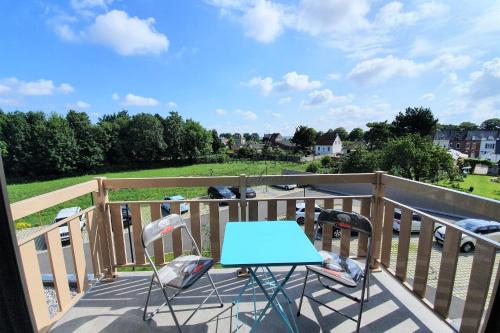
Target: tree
[[255, 137], [341, 132], [61, 150], [356, 134], [112, 134], [16, 135], [196, 140], [304, 137], [361, 160], [247, 136], [172, 135], [415, 120], [492, 124], [226, 135], [145, 138], [230, 142], [467, 126], [216, 143], [90, 155], [415, 157], [378, 134]]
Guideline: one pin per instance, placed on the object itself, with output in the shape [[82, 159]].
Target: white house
[[489, 144], [328, 144]]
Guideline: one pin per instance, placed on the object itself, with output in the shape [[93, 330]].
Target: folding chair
[[181, 273], [344, 271]]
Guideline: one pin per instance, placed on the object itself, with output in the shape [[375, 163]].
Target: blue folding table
[[265, 244]]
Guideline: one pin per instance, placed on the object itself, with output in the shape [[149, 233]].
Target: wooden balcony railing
[[114, 246]]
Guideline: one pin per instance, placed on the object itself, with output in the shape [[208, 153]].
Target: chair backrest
[[346, 220], [157, 229]]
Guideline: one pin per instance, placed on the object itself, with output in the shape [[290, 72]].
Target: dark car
[[220, 192], [184, 207], [337, 232], [250, 192], [126, 215]]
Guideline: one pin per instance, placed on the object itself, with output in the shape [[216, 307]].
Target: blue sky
[[253, 65]]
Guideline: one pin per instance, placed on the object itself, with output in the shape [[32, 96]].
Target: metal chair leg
[[171, 310], [303, 290], [215, 288], [147, 300]]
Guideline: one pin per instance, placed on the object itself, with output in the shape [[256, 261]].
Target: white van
[[65, 213]]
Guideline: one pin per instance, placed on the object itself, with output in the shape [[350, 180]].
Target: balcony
[[416, 284]]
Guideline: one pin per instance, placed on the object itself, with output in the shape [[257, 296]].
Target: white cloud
[[429, 97], [421, 47], [115, 97], [299, 82], [65, 32], [284, 100], [246, 115], [172, 105], [127, 35], [36, 88], [332, 16], [351, 115], [276, 114], [349, 25], [325, 96], [391, 15], [263, 21], [78, 105], [66, 88], [264, 84], [134, 100], [84, 4], [4, 89], [42, 87], [382, 69], [221, 112], [290, 81], [334, 76]]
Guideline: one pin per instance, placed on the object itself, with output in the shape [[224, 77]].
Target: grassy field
[[483, 186], [27, 190]]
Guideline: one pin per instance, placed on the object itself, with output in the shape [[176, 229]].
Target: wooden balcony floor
[[117, 307]]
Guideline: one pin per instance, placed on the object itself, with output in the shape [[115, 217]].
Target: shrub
[[313, 167], [22, 225], [326, 161]]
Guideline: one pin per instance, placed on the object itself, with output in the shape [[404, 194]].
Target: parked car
[[183, 206], [488, 229], [415, 223], [286, 187], [220, 192], [65, 213], [126, 215], [250, 192], [300, 212]]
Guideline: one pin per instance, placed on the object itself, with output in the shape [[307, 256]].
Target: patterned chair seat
[[343, 270], [183, 271]]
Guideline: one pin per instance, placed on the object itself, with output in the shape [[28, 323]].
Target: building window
[[490, 146], [458, 145], [467, 145], [328, 148]]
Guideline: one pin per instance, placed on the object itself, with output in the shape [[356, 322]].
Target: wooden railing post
[[243, 197], [377, 216], [102, 217]]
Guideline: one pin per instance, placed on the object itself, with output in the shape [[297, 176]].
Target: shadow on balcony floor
[[117, 307]]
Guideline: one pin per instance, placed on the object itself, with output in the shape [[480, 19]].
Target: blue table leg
[[272, 298]]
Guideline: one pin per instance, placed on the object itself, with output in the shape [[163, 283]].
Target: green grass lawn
[[22, 191], [482, 185]]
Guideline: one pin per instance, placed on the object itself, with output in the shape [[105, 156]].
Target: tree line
[[34, 145], [403, 147]]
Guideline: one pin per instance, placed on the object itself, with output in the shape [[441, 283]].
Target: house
[[272, 139], [442, 138], [489, 149], [351, 147], [457, 141], [239, 140], [328, 144]]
